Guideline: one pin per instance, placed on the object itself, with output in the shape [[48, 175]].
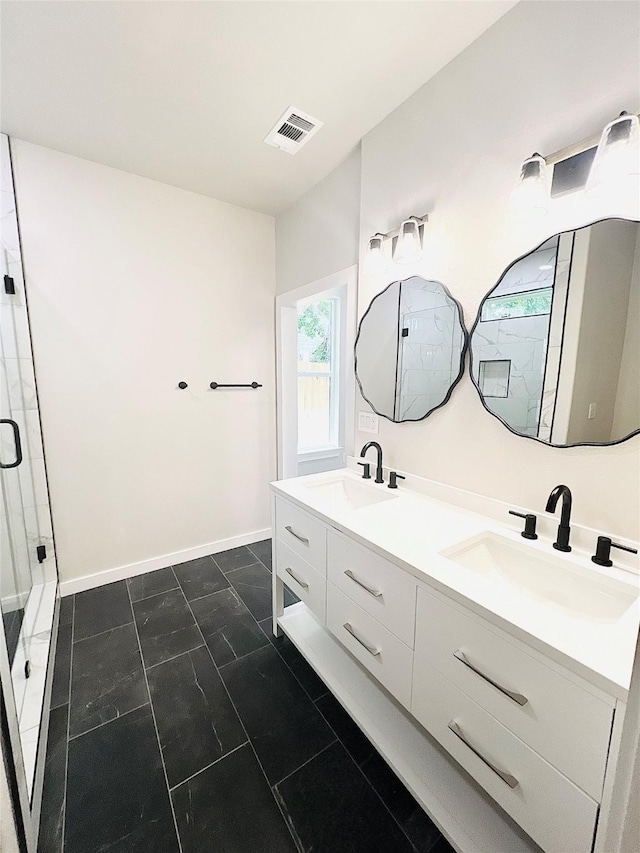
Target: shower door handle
[[16, 437]]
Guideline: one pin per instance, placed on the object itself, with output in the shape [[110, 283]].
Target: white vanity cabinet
[[534, 736], [300, 546], [564, 719], [552, 810]]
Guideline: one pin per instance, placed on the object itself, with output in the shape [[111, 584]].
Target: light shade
[[616, 167], [530, 198], [376, 261], [408, 249]]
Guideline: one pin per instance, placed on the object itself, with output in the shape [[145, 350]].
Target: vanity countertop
[[413, 528]]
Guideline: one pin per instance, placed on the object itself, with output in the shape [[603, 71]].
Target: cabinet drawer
[[563, 722], [549, 807], [384, 655], [378, 587], [303, 533], [301, 578]]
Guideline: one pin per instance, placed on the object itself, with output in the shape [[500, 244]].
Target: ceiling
[[185, 92]]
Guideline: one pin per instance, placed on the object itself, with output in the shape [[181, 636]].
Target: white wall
[[134, 286], [319, 235], [546, 75], [603, 323]]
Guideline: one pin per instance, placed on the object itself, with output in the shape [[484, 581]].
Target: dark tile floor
[[179, 724], [12, 622]]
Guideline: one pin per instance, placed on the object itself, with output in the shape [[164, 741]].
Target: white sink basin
[[349, 493], [550, 580]]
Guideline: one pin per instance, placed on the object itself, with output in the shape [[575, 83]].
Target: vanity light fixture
[[406, 245], [376, 261], [408, 248], [617, 160], [530, 198], [607, 166]]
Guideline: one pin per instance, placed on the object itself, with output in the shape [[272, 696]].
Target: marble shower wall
[[514, 388], [522, 342], [429, 357]]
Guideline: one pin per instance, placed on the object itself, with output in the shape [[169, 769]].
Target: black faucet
[[379, 477], [564, 531]]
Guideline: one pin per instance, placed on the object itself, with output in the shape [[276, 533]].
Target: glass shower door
[[28, 576]]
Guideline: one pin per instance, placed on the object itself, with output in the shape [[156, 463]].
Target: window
[[527, 304], [318, 375]]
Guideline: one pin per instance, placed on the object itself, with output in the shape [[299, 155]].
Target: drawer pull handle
[[371, 649], [297, 535], [377, 593], [511, 781], [515, 697], [297, 580]]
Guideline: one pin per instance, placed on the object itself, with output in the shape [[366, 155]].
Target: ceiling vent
[[292, 130]]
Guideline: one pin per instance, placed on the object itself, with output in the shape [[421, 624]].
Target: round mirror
[[555, 349], [410, 349]]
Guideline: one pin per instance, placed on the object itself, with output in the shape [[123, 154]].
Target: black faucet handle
[[366, 474], [393, 479], [602, 557], [530, 520], [624, 548]]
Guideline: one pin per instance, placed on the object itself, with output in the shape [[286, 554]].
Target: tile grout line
[[366, 778], [155, 725], [248, 566], [153, 594], [107, 722], [335, 740], [242, 657], [233, 705], [291, 670], [248, 547], [101, 633], [168, 660], [66, 761], [198, 772]]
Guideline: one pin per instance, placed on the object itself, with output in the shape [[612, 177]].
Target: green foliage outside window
[[518, 305], [315, 322]]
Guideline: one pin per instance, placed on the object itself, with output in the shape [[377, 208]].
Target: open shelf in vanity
[[465, 815]]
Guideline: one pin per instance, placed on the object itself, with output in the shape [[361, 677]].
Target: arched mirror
[[555, 349], [410, 349]]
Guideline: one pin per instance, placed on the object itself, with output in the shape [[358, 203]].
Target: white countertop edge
[[612, 676]]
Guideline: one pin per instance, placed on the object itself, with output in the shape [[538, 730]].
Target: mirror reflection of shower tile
[[493, 378]]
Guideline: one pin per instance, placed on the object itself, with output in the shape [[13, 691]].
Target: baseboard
[[132, 569]]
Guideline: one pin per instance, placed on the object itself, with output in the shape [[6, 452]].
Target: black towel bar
[[215, 385]]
